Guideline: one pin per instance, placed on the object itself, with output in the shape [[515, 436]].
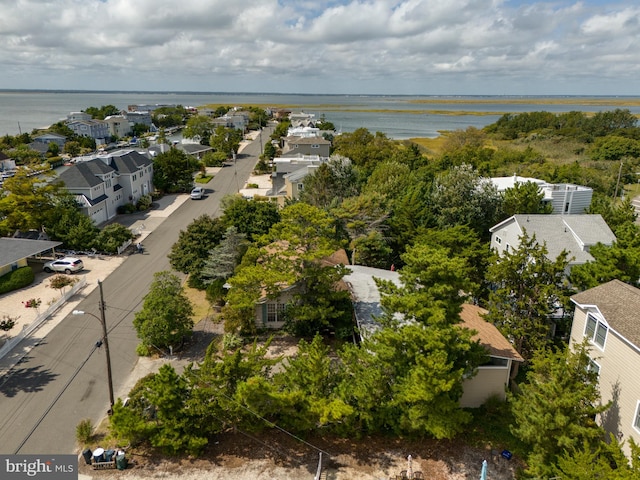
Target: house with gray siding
[[295, 146], [607, 317], [96, 129]]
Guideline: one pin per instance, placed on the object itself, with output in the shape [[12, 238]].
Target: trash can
[[108, 455], [86, 453], [121, 462], [98, 455]]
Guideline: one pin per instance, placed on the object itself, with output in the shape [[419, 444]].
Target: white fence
[[33, 326]]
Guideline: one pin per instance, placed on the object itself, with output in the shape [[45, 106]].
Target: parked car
[[197, 193], [66, 265]]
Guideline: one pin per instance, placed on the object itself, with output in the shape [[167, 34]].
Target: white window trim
[[636, 418], [498, 240], [593, 362], [595, 331]]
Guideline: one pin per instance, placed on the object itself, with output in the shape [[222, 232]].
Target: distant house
[[118, 125], [287, 179], [237, 120], [78, 117], [607, 316], [103, 184], [491, 379], [574, 233], [564, 198], [139, 118], [194, 149], [95, 129], [295, 146], [47, 138]]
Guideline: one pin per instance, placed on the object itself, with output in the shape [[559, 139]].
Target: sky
[[411, 47]]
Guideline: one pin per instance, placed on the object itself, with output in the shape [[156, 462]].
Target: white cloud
[[364, 46]]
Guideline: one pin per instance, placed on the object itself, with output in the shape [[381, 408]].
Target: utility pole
[[105, 338]]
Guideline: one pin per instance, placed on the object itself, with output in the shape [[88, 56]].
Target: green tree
[[461, 197], [173, 433], [251, 217], [281, 130], [27, 203], [621, 261], [615, 147], [173, 171], [69, 225], [102, 112], [72, 148], [606, 460], [191, 251], [165, 317], [426, 356], [226, 140], [528, 288], [463, 242], [365, 149], [199, 127], [330, 183], [111, 237], [556, 408], [224, 257], [524, 198]]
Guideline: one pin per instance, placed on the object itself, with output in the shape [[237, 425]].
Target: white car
[[197, 193], [66, 265]]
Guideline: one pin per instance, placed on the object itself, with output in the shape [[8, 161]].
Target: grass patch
[[203, 178], [431, 146], [201, 307]]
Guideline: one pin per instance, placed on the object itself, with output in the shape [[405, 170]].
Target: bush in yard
[[19, 278], [111, 237], [84, 431]]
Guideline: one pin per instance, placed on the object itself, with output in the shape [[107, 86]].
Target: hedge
[[16, 279]]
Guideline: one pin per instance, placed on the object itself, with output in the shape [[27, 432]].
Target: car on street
[[66, 265], [197, 193]]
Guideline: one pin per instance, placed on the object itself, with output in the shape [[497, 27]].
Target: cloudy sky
[[440, 47]]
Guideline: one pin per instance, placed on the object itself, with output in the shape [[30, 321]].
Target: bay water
[[399, 117]]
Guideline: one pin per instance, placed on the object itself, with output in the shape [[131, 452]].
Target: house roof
[[307, 141], [194, 148], [128, 161], [366, 304], [619, 304], [574, 233], [13, 250], [488, 335], [84, 174]]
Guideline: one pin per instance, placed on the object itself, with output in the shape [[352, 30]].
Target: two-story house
[[573, 233], [104, 183], [564, 198], [96, 129], [295, 146], [607, 316], [119, 125]]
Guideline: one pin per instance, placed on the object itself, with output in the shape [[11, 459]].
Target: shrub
[[16, 279], [144, 203], [111, 237], [84, 431], [126, 208]]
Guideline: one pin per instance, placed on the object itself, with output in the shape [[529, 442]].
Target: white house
[[565, 198]]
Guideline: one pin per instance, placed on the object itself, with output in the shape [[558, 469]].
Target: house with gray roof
[[607, 317], [295, 146], [106, 182], [14, 252], [574, 233], [96, 129]]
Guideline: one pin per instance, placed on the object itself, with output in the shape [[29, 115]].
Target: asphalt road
[[63, 380]]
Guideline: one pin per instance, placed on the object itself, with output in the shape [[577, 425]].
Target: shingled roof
[[488, 335], [619, 304]]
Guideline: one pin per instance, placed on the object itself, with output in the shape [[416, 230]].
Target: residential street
[[63, 379]]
